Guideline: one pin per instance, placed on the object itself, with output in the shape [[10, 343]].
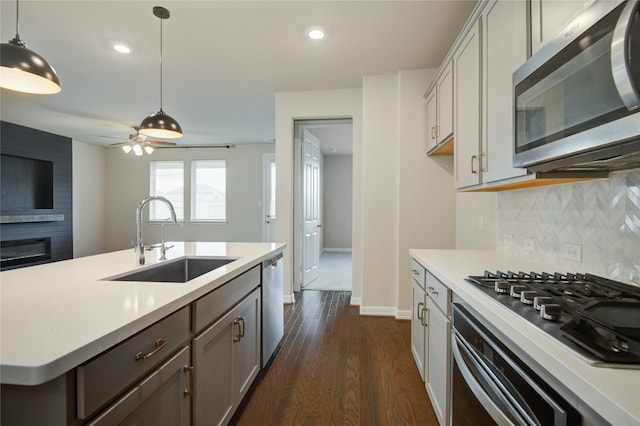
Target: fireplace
[[36, 209], [24, 252]]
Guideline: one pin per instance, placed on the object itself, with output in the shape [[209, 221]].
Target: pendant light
[[161, 125], [23, 70]]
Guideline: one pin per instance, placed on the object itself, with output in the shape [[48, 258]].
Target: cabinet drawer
[[418, 273], [439, 293], [104, 377], [213, 305]]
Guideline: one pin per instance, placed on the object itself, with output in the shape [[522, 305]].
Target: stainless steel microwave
[[577, 100]]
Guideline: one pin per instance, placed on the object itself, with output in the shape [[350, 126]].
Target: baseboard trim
[[403, 315], [356, 301], [380, 311], [289, 299], [338, 249]]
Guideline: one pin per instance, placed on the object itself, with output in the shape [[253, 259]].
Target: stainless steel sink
[[175, 271]]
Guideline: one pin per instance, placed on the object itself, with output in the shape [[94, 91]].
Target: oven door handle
[[620, 54], [472, 381]]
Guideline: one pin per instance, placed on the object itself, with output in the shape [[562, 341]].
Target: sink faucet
[[139, 243]]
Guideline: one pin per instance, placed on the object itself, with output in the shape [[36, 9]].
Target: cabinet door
[[437, 381], [431, 120], [549, 17], [444, 128], [467, 63], [213, 361], [246, 346], [504, 50], [160, 399], [418, 330]]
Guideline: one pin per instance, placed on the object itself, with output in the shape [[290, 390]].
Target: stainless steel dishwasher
[[272, 306]]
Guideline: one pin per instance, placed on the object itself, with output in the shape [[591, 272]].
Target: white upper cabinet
[[504, 50], [468, 90], [432, 121], [549, 17], [444, 128], [440, 109]]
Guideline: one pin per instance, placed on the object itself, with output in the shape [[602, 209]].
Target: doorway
[[269, 198], [323, 204]]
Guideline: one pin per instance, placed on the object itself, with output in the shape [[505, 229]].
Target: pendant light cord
[[16, 40], [161, 64]]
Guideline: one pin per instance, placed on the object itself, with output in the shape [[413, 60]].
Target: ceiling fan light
[[126, 148], [160, 125], [148, 149], [23, 70], [137, 149]]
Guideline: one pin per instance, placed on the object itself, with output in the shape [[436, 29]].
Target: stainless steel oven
[[577, 100], [490, 385]]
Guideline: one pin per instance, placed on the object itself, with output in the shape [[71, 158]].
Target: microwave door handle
[[620, 66], [485, 400]]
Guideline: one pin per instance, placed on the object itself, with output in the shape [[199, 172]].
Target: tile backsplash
[[602, 217]]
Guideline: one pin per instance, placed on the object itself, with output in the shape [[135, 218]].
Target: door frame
[[267, 160], [298, 199]]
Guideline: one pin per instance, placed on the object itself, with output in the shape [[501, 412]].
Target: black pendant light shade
[[23, 70], [161, 125]]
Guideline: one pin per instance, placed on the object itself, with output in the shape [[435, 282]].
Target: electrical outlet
[[529, 244], [572, 252]]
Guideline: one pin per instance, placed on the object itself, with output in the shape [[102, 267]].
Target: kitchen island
[[57, 316], [611, 393]]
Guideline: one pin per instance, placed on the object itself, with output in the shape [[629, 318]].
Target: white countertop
[[612, 393], [58, 315]]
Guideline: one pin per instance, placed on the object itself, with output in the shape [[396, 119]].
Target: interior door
[[269, 198], [310, 207]]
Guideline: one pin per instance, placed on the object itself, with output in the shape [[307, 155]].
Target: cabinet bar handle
[[473, 171], [420, 310], [433, 132], [415, 272], [432, 290], [241, 319], [189, 390], [424, 317], [158, 345], [238, 336]]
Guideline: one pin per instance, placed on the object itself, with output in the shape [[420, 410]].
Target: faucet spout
[[139, 211]]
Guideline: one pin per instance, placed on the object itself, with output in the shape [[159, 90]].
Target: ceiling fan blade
[[161, 143], [119, 144], [109, 137]]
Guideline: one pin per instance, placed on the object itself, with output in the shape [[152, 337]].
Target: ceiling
[[223, 61]]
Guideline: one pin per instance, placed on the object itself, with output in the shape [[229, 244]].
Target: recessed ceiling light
[[315, 33], [119, 47]]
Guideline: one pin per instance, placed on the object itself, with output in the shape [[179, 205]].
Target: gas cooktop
[[597, 317]]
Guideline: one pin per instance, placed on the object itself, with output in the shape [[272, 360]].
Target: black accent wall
[[29, 220]]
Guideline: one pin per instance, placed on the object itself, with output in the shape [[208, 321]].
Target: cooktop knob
[[538, 301], [527, 297], [551, 311], [502, 287], [516, 290]]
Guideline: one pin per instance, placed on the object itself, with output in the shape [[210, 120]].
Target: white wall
[[89, 186], [312, 105], [128, 183], [337, 201], [380, 194]]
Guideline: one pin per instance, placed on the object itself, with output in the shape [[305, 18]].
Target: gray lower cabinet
[[226, 360], [163, 398]]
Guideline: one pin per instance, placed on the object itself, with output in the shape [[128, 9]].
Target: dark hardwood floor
[[336, 367]]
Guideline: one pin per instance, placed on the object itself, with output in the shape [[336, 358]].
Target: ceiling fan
[[139, 143]]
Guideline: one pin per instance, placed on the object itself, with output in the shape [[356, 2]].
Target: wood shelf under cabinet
[[442, 149], [537, 179]]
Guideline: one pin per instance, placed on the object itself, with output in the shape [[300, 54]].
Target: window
[[208, 190], [167, 180]]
